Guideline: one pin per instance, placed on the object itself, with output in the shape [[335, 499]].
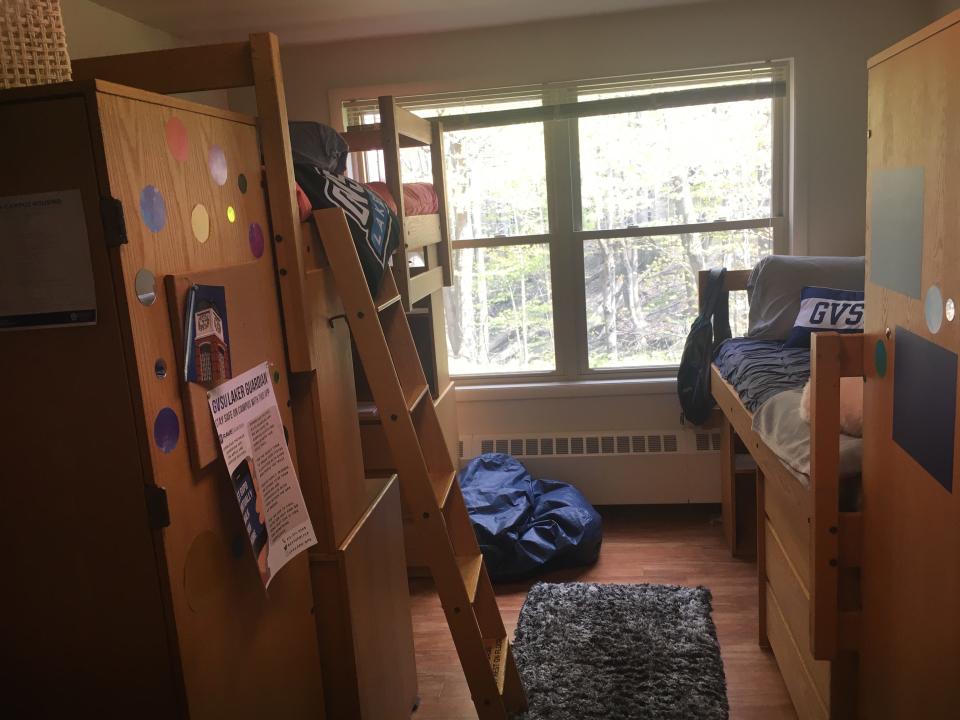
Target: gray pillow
[[776, 281]]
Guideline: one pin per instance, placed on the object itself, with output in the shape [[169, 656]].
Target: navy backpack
[[710, 328]]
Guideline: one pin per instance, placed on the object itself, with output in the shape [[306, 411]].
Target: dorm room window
[[578, 234]]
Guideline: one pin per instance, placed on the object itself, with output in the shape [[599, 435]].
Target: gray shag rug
[[608, 652]]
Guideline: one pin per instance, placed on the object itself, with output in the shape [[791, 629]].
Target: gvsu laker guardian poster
[[261, 471]]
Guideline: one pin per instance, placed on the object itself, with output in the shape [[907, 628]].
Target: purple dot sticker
[[152, 208], [256, 239], [177, 141], [166, 430], [217, 162]]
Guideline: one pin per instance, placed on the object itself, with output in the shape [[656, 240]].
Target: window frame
[[566, 243]]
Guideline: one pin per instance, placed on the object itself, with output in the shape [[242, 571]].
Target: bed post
[[832, 356], [278, 162]]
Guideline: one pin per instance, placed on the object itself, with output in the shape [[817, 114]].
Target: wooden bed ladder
[[428, 476]]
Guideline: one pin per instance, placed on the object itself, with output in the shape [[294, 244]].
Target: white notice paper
[[248, 424], [46, 277]]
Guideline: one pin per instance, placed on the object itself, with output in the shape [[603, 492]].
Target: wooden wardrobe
[[910, 629]]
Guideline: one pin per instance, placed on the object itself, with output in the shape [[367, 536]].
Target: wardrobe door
[[83, 624], [910, 634]]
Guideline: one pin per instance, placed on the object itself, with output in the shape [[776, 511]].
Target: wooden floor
[[680, 545]]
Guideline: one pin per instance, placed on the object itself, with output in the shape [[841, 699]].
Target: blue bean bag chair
[[525, 525]]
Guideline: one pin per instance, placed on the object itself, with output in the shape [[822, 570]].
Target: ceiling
[[310, 21]]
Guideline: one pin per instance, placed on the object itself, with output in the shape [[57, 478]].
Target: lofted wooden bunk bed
[[808, 539]]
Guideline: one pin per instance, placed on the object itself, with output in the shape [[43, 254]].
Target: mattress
[[779, 424], [418, 199]]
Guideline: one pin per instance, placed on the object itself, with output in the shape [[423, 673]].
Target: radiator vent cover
[[594, 444]]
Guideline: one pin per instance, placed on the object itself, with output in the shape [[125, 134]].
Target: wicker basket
[[33, 45]]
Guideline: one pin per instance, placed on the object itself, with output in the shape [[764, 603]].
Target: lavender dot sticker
[[217, 163], [256, 239], [152, 208], [166, 430]]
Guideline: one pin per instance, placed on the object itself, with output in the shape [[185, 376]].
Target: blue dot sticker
[[166, 430], [880, 358], [152, 208]]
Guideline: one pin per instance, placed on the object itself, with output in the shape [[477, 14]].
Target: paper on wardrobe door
[[248, 424]]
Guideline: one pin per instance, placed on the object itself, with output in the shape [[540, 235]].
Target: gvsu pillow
[[825, 309]]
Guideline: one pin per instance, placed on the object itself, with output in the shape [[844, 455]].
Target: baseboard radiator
[[611, 468]]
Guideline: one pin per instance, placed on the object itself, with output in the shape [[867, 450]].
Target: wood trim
[[390, 140], [915, 39], [410, 126], [656, 230], [425, 283], [362, 138], [762, 639], [610, 106], [288, 241], [135, 93], [733, 281], [439, 165], [179, 70], [422, 231]]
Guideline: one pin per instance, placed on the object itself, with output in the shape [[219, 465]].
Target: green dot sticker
[[276, 377], [242, 182], [880, 358]]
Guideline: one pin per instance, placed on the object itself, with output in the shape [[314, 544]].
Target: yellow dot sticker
[[231, 214], [200, 223]]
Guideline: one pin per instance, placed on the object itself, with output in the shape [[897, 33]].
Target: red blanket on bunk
[[418, 199]]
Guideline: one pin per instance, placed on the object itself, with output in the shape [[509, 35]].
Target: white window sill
[[577, 389]]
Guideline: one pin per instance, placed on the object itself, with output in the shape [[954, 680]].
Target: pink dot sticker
[[177, 141], [217, 163], [256, 239]]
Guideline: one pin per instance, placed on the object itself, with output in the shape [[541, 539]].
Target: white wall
[[944, 7], [93, 30]]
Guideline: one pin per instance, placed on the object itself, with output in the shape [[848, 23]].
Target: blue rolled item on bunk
[[525, 525]]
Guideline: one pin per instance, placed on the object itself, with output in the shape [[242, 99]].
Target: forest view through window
[[616, 209]]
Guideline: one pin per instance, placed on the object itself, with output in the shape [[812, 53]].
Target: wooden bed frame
[[808, 551], [399, 128]]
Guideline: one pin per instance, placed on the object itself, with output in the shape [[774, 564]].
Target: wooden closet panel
[[910, 640], [72, 488], [244, 652]]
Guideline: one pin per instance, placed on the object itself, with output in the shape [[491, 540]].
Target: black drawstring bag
[[710, 328]]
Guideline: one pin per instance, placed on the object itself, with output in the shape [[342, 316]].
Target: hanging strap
[[716, 305]]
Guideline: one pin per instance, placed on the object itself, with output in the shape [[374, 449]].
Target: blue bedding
[[759, 369]]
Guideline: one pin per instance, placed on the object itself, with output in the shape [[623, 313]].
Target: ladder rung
[[470, 572], [442, 484], [369, 414], [414, 398], [497, 652], [383, 305]]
